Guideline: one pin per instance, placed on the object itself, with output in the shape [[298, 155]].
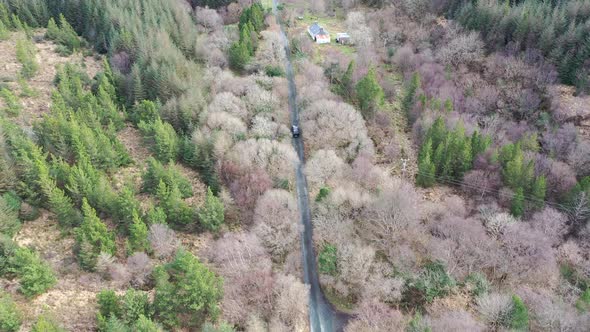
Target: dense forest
[[147, 178]]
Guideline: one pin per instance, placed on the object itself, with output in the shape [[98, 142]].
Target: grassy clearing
[[334, 25]]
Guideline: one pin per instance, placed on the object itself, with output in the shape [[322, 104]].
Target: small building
[[318, 34], [343, 38]]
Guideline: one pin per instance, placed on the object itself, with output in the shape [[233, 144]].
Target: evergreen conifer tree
[[517, 204], [138, 233], [92, 238], [369, 94], [211, 215]]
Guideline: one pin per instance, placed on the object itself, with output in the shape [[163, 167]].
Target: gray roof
[[315, 29]]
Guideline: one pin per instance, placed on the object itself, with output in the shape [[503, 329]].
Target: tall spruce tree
[[369, 94]]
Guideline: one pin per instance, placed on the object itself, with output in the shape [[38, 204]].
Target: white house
[[318, 34]]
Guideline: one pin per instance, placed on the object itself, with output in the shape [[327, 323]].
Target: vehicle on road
[[295, 131]]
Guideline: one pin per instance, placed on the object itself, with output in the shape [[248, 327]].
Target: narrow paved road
[[322, 316]]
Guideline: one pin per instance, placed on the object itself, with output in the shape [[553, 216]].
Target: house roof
[[315, 29]]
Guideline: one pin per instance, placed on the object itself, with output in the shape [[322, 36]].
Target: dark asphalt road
[[322, 315]]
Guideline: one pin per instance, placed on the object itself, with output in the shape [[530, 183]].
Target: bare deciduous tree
[[376, 316], [163, 240], [329, 124], [247, 271], [292, 302], [276, 221]]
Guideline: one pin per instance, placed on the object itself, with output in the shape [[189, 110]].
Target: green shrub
[[170, 174], [519, 315], [324, 192], [13, 105], [46, 324], [10, 316], [35, 276], [432, 282], [92, 238], [417, 324], [477, 284], [26, 54], [328, 260], [211, 215], [583, 303], [186, 288], [274, 71]]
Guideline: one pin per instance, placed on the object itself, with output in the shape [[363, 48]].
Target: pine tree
[[36, 276], [170, 175], [186, 288], [426, 168], [17, 24], [92, 238], [437, 132], [517, 204], [138, 232], [138, 87], [369, 94], [538, 191], [52, 30], [146, 111], [144, 324], [479, 144], [68, 36], [26, 55], [346, 81], [109, 305], [4, 34], [61, 205], [13, 105], [125, 207], [10, 315], [246, 38], [519, 315], [257, 17], [177, 211], [409, 96], [163, 138], [239, 56], [211, 215], [46, 324], [5, 16]]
